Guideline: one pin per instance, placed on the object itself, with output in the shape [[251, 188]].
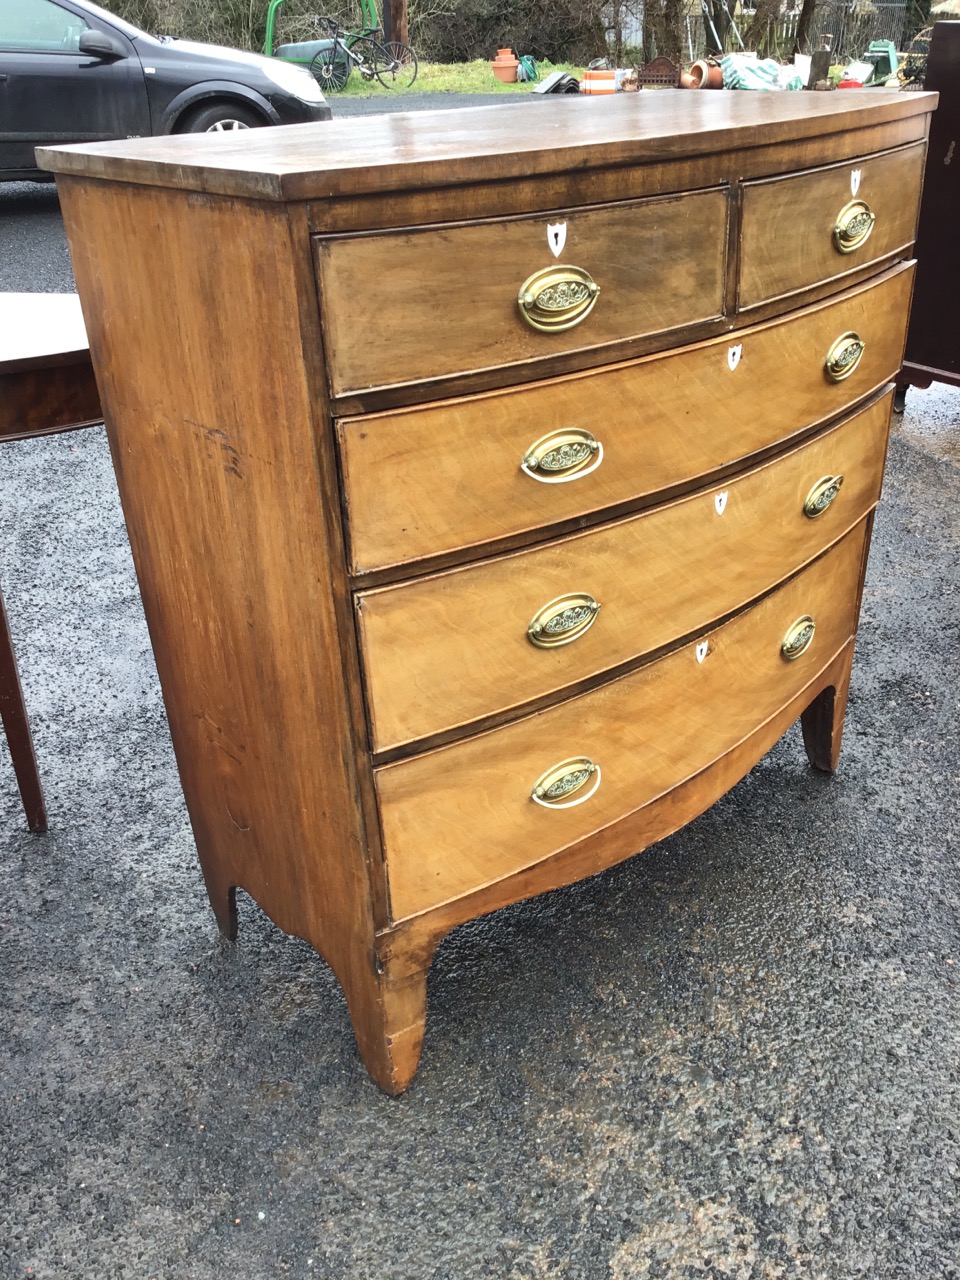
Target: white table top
[[35, 327]]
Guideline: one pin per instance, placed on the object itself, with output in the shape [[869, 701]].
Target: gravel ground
[[734, 1056]]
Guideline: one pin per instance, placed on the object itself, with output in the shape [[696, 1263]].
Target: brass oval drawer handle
[[563, 620], [821, 496], [568, 454], [853, 226], [844, 356], [554, 788], [557, 298], [798, 638]]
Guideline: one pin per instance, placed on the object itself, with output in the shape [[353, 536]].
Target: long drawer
[[401, 307], [812, 227], [450, 649], [452, 475], [464, 816]]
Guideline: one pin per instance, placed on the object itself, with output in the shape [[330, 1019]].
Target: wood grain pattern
[[47, 382], [217, 341], [16, 728], [236, 556], [39, 402], [409, 944], [437, 149], [558, 190], [446, 477], [450, 650], [402, 307], [462, 816], [46, 385], [775, 262]]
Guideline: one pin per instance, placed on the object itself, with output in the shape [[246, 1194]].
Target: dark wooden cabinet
[[933, 337]]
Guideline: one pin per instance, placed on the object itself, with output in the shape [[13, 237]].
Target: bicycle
[[394, 64]]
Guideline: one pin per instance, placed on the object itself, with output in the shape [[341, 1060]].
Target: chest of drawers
[[499, 482]]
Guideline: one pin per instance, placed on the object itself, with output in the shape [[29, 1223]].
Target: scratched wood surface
[[446, 477]]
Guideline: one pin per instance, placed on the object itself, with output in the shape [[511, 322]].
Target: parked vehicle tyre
[[399, 69], [221, 117]]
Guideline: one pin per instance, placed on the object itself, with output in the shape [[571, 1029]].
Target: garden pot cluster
[[504, 66]]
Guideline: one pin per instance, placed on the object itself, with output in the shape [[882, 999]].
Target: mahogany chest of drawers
[[499, 482]]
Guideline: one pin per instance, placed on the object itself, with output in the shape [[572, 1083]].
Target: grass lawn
[[461, 77]]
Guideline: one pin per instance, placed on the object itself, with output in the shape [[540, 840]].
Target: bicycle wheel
[[396, 65], [331, 69], [368, 54]]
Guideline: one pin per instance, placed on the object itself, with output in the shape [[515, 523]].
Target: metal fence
[[852, 23], [853, 26]]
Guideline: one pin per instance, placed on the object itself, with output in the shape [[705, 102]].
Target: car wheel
[[220, 117]]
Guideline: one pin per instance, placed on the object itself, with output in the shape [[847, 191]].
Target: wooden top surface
[[444, 148], [40, 329]]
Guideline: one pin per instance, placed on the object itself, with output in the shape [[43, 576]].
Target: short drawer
[[448, 650], [464, 816], [402, 307], [452, 475], [813, 227]]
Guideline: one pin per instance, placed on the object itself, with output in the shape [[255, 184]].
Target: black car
[[71, 72]]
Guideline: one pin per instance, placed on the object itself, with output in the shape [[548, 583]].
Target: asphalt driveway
[[737, 1055]]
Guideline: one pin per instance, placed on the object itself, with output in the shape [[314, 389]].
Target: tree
[[663, 28], [395, 23], [801, 43]]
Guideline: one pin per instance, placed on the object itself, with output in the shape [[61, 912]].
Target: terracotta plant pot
[[706, 75], [504, 66]]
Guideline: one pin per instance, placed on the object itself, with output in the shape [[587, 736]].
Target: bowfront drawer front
[[812, 227], [402, 307], [426, 481], [448, 650], [464, 816]]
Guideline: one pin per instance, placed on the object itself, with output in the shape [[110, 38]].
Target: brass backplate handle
[[567, 784], [798, 639], [567, 454], [557, 298], [563, 620], [821, 496], [844, 356], [853, 226]]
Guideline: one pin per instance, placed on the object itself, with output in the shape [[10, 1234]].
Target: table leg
[[13, 714]]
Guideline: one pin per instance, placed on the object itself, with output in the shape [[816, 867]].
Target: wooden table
[[46, 385]]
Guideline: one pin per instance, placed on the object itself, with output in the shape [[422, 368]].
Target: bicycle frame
[[368, 9], [394, 63]]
